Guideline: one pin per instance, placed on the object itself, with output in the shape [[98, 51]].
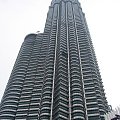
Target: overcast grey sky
[[21, 17]]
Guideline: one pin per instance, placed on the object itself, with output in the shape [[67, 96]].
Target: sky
[[21, 17]]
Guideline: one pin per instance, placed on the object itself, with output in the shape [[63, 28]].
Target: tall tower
[[56, 75]]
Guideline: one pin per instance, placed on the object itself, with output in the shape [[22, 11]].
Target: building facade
[[56, 75]]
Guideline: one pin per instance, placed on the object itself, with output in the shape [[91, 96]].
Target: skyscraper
[[56, 75]]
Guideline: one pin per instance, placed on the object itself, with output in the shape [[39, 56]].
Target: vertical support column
[[76, 89], [68, 63], [85, 107], [51, 113]]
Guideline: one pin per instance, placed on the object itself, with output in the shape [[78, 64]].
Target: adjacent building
[[56, 75]]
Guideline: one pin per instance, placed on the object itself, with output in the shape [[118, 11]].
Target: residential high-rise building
[[56, 75]]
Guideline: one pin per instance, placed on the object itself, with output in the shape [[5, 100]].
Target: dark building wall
[[56, 75]]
